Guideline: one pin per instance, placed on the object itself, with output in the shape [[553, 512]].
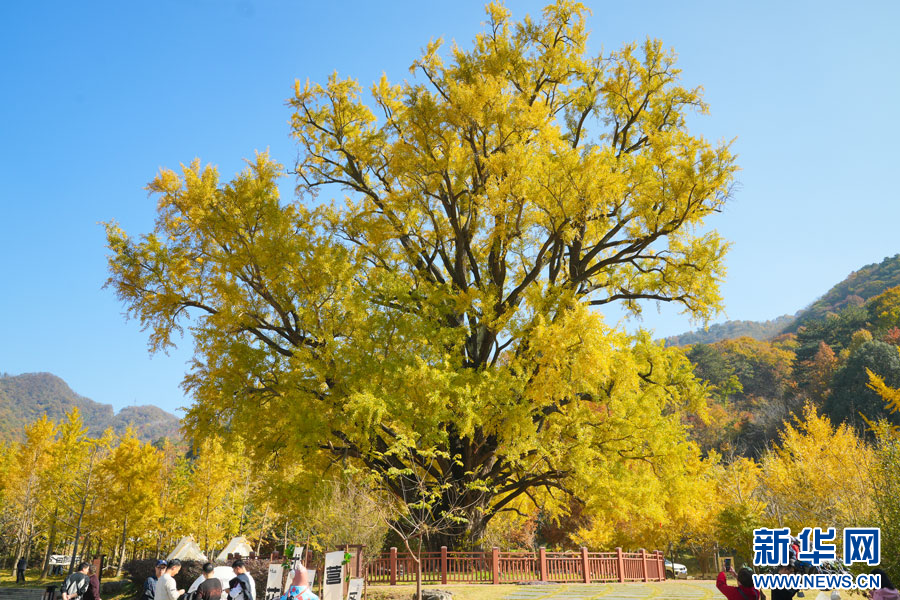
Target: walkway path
[[670, 590]]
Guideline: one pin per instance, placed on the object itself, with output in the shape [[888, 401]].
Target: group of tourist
[[162, 586], [84, 584]]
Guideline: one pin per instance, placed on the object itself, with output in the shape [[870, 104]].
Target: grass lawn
[[460, 592], [33, 580]]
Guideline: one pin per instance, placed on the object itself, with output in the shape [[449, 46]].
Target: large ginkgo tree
[[423, 313]]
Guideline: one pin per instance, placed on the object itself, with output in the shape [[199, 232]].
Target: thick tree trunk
[[460, 536]]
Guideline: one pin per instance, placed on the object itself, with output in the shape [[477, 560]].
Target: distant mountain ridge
[[856, 288], [758, 330], [27, 397]]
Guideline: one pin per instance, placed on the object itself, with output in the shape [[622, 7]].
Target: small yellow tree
[[30, 461], [818, 475], [131, 479], [741, 505], [214, 472]]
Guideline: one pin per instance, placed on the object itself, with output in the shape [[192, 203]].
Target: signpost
[[274, 581], [356, 589], [333, 585]]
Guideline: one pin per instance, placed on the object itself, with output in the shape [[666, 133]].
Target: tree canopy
[[851, 399], [438, 318]]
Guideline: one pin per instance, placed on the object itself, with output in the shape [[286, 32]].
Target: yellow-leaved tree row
[[64, 492], [431, 325], [135, 499]]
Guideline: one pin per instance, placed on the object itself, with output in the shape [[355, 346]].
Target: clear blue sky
[[96, 96]]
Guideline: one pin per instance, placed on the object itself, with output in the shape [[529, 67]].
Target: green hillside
[[854, 290], [25, 398]]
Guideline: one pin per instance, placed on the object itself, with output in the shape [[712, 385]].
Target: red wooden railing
[[495, 567]]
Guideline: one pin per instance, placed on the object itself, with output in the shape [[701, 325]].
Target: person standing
[[205, 573], [93, 592], [242, 587], [20, 570], [785, 594], [76, 584], [744, 589], [166, 589], [299, 588], [211, 589], [150, 585]]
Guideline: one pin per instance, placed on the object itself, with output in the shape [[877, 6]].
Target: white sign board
[[333, 585], [297, 563], [356, 589], [297, 557], [274, 581]]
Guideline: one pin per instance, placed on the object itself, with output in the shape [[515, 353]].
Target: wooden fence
[[497, 567]]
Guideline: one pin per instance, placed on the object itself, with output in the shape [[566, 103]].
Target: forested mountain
[[25, 398], [854, 290], [858, 287], [729, 330], [834, 358]]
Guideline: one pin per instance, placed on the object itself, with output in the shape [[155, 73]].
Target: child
[[744, 589]]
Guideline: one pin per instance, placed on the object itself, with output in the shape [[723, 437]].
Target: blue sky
[[96, 96]]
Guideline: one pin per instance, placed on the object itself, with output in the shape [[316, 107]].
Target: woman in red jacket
[[744, 589]]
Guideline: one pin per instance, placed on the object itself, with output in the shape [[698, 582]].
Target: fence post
[[393, 565], [662, 565], [443, 565], [495, 564], [586, 564], [620, 565], [542, 563], [644, 563]]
